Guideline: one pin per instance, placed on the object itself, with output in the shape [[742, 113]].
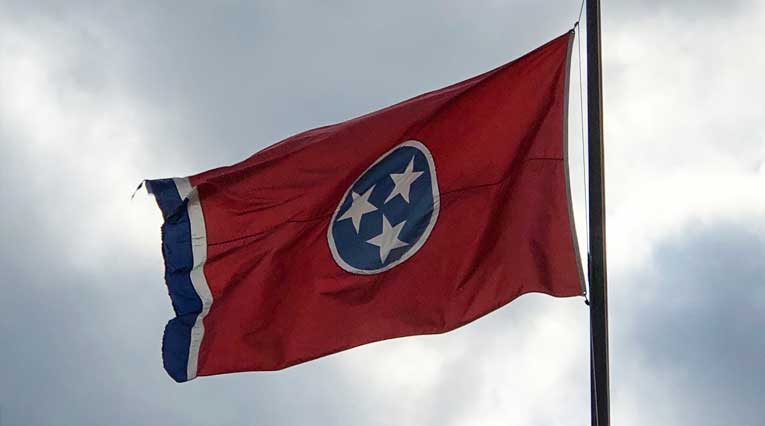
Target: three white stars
[[388, 239]]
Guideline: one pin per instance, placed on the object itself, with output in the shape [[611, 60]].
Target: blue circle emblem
[[386, 216]]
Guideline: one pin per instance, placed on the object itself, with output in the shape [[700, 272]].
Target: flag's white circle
[[388, 213]]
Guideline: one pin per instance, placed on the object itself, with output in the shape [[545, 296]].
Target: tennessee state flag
[[415, 219]]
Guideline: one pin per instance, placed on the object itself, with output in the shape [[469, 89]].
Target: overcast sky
[[95, 96]]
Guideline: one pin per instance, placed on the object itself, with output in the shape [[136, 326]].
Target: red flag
[[415, 219]]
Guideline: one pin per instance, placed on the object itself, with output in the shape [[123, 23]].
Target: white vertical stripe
[[198, 279], [567, 169]]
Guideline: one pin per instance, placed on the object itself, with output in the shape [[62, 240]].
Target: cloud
[[692, 345], [685, 11], [681, 124]]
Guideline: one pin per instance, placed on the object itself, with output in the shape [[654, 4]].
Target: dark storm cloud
[[695, 330]]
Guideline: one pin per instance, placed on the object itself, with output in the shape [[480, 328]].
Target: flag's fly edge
[[566, 164], [198, 279], [184, 248]]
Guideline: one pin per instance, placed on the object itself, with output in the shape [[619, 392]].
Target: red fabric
[[503, 229]]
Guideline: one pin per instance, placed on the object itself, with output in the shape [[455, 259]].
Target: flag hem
[[574, 238]]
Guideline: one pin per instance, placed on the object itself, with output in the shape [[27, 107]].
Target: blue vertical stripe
[[179, 260]]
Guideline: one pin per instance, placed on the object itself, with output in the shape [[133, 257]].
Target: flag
[[415, 219]]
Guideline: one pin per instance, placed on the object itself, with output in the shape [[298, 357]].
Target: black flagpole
[[597, 265]]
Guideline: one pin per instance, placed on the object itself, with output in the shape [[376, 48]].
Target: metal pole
[[597, 270]]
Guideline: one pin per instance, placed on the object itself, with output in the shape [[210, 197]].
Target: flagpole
[[597, 243]]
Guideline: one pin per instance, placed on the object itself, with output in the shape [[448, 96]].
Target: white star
[[359, 208], [388, 239], [404, 182]]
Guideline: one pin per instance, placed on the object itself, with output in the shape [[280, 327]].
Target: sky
[[96, 96]]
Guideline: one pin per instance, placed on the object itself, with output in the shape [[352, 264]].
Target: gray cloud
[[686, 10], [694, 344], [243, 77], [84, 349]]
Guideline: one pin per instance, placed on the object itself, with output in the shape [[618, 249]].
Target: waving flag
[[415, 219]]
